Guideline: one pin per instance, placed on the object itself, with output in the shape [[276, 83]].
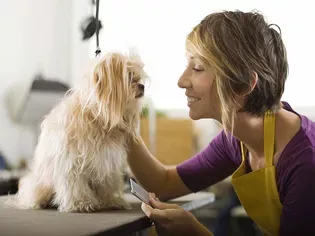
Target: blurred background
[[45, 48], [45, 37]]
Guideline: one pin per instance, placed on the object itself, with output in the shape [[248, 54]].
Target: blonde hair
[[236, 44]]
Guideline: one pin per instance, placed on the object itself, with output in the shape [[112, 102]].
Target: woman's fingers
[[153, 214], [153, 196], [161, 205]]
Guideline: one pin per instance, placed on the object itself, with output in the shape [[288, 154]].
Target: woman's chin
[[194, 115]]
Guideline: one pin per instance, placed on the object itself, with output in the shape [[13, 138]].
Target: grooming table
[[49, 222]]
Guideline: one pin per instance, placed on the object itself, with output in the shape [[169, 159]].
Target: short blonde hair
[[236, 44]]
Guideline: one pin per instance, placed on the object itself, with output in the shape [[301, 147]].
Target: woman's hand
[[170, 219]]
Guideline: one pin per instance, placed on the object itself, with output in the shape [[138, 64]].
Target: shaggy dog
[[81, 152]]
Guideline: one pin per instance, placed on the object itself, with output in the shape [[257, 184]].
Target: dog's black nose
[[141, 87]]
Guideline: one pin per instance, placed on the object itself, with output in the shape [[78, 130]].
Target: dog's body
[[81, 152]]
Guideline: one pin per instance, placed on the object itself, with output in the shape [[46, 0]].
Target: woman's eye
[[197, 69]]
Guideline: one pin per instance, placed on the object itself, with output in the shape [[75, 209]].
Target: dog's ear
[[110, 81]]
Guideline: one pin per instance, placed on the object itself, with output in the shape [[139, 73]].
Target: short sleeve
[[213, 164], [298, 211]]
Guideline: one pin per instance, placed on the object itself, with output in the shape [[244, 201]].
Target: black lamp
[[89, 26]]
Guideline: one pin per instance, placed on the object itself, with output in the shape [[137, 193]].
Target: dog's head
[[116, 85]]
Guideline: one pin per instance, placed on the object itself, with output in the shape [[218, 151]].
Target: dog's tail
[[32, 194]]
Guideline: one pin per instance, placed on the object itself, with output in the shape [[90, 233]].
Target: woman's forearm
[[201, 230], [147, 170]]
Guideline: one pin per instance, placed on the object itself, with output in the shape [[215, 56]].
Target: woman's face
[[202, 98]]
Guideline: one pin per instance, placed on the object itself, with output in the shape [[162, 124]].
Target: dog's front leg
[[111, 192], [74, 194]]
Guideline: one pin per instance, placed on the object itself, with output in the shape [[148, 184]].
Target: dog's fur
[[81, 152]]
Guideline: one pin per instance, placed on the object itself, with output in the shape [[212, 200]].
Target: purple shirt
[[295, 174]]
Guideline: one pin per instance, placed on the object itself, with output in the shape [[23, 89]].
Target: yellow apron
[[257, 190]]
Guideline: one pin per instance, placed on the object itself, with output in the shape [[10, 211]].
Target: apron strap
[[243, 152], [269, 137]]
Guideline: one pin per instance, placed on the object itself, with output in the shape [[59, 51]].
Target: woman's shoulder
[[298, 157], [305, 137], [226, 143]]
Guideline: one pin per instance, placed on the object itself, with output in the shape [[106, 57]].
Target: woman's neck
[[250, 130]]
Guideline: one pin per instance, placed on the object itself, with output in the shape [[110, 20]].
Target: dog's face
[[136, 78], [117, 81]]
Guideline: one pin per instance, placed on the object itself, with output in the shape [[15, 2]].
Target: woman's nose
[[184, 81]]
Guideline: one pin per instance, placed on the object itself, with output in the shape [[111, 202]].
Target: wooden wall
[[174, 139]]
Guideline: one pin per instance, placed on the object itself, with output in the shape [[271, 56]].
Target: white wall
[[80, 51], [158, 29], [34, 38]]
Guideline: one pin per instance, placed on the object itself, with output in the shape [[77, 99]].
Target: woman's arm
[[153, 175], [214, 163]]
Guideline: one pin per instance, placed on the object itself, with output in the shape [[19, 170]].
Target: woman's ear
[[253, 80], [252, 85]]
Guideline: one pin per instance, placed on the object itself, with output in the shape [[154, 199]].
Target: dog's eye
[[131, 75], [133, 78]]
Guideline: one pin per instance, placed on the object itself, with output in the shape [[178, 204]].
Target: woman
[[237, 68]]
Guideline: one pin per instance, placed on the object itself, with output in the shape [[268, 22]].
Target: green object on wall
[[145, 113]]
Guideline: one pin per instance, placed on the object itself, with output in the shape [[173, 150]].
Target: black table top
[[50, 222]]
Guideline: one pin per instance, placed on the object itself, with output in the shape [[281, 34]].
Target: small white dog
[[81, 152]]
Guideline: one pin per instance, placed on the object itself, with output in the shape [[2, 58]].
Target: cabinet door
[[174, 139]]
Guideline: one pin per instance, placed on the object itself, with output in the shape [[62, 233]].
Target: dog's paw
[[83, 207], [14, 202], [119, 204]]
